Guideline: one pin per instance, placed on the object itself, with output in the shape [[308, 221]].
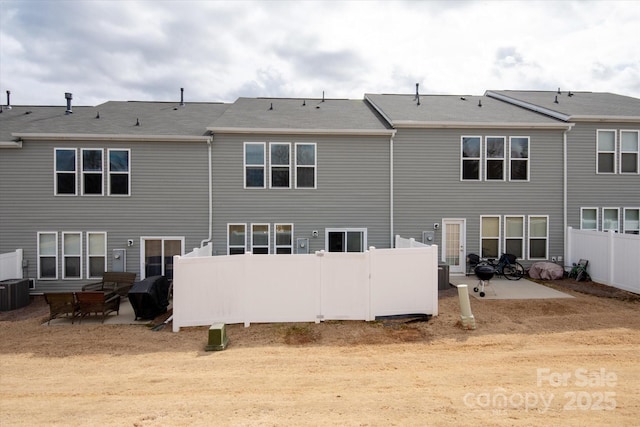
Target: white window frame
[[65, 255], [521, 237], [278, 247], [272, 165], [488, 159], [56, 172], [520, 159], [582, 210], [604, 218], [254, 245], [498, 237], [314, 166], [162, 240], [91, 255], [545, 238], [346, 231], [83, 173], [598, 151], [244, 245], [110, 172], [246, 165], [41, 255], [636, 151], [624, 220], [478, 159]]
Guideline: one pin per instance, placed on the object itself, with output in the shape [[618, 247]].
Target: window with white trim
[[490, 236], [96, 254], [65, 172], [589, 219], [119, 172], [92, 173], [538, 237], [629, 150], [157, 255], [494, 158], [470, 158], [236, 239], [519, 158], [280, 165], [71, 255], [260, 238], [631, 220], [254, 164], [346, 239], [606, 151], [514, 235], [306, 165], [283, 238], [47, 255], [611, 219]]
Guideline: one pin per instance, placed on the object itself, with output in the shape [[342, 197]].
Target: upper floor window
[[305, 165], [471, 158], [119, 172], [519, 161], [494, 158], [65, 171], [632, 220], [629, 149], [606, 151], [589, 219], [254, 165], [280, 164], [92, 171]]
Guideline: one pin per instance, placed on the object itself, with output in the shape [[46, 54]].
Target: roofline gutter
[[612, 119], [294, 131], [528, 106], [10, 144], [109, 137], [411, 124]]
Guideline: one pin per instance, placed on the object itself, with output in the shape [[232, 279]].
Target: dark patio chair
[[61, 304], [99, 303], [472, 262]]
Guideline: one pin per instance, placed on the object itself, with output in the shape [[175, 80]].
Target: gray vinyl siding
[[352, 190], [169, 197], [428, 185], [588, 189]]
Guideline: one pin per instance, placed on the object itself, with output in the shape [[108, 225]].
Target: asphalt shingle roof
[[461, 109], [595, 104], [299, 114]]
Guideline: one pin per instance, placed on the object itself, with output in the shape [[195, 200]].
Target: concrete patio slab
[[127, 316], [500, 288]]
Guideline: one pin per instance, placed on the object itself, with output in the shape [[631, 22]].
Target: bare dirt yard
[[529, 362]]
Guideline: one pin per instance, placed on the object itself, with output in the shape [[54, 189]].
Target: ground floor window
[[538, 237], [236, 239], [260, 238], [158, 253], [72, 255], [96, 254], [346, 239], [48, 255], [514, 235], [589, 218], [632, 220], [490, 236], [284, 238], [610, 219]]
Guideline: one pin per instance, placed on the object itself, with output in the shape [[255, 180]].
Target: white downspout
[[207, 240], [564, 196], [391, 189]]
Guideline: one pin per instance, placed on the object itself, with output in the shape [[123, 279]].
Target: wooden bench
[[113, 282], [98, 302], [62, 304]]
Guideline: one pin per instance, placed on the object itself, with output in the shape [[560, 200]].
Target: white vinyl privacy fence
[[304, 288], [11, 265], [614, 258]]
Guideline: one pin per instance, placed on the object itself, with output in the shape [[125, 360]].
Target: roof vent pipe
[[68, 97], [556, 101], [181, 96], [418, 93], [8, 100], [322, 96], [559, 91]]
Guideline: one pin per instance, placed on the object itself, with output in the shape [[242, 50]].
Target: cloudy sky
[[220, 50]]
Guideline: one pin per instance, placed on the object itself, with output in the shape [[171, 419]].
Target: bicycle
[[506, 266]]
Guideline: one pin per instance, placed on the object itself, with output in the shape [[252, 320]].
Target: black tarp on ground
[[149, 297]]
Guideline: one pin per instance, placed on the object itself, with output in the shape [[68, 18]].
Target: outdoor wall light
[[130, 242], [314, 233]]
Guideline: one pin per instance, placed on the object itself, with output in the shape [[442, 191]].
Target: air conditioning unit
[[14, 293]]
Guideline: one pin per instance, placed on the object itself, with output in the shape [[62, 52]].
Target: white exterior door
[[453, 245]]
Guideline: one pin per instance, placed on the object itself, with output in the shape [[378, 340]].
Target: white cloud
[[217, 51]]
